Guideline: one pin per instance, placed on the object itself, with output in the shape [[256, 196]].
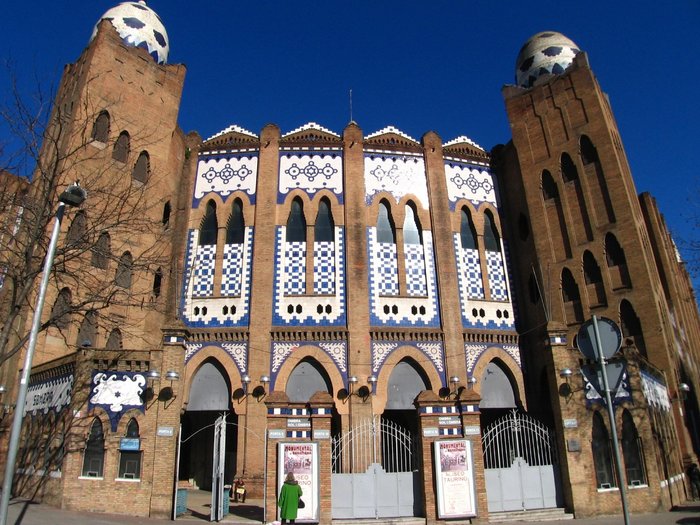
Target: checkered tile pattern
[[203, 272], [415, 270], [294, 268], [387, 268], [232, 270], [472, 273], [497, 276], [324, 268]]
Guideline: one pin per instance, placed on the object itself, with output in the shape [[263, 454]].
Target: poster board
[[454, 477], [302, 460]]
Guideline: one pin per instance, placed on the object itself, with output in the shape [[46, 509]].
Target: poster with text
[[454, 474], [301, 459]]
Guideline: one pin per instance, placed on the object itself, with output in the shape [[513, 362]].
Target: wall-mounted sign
[[570, 423], [322, 434], [301, 459], [276, 434], [454, 474], [296, 422], [472, 430], [130, 444], [166, 431], [449, 421], [431, 432]]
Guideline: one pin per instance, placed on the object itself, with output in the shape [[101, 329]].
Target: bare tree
[[111, 256]]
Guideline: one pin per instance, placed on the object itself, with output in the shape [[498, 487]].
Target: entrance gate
[[520, 465], [375, 472]]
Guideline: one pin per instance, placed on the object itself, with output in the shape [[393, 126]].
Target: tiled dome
[[544, 54], [139, 26]]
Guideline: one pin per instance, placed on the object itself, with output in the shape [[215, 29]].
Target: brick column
[[465, 412]]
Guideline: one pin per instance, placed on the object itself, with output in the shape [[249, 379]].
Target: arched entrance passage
[[209, 397], [498, 392], [376, 463], [307, 378]]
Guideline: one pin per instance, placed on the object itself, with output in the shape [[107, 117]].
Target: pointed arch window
[[142, 168], [209, 228], [594, 280], [157, 282], [411, 226], [386, 232], [617, 263], [296, 223], [467, 231], [61, 311], [124, 271], [235, 228], [568, 168], [102, 251], [88, 330], [129, 459], [589, 153], [324, 230], [100, 129], [122, 147], [492, 241], [93, 456], [602, 454], [632, 451], [631, 326], [166, 215], [77, 229], [571, 298], [549, 187], [114, 341]]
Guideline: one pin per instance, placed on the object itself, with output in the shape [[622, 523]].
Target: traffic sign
[[610, 338]]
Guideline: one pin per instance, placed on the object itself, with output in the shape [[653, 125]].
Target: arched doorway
[[210, 397], [307, 378], [376, 464], [519, 455]]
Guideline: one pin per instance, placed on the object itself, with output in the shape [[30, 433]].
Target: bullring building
[[394, 320]]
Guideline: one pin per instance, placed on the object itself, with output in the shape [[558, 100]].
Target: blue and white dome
[[547, 53], [139, 26]]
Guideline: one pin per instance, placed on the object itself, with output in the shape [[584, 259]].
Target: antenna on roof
[[351, 105]]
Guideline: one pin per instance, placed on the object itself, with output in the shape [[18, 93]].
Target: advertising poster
[[454, 474], [302, 460]]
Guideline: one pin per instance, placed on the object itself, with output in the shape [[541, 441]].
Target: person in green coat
[[289, 499]]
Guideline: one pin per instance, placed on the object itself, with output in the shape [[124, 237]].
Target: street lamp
[[73, 196]]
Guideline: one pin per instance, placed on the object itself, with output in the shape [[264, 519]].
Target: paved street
[[23, 513]]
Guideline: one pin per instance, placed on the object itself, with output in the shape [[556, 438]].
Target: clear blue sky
[[419, 66]]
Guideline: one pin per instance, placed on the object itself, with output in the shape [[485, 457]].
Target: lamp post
[[73, 196]]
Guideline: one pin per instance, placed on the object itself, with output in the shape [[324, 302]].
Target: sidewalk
[[25, 513]]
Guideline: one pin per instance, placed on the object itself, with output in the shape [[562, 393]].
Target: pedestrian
[[239, 491], [289, 499], [694, 475]]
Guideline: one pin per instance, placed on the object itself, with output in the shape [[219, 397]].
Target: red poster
[[454, 473]]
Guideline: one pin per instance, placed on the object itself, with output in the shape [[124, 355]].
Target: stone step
[[382, 521], [529, 515]]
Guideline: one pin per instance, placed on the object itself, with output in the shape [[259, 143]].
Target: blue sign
[[130, 444]]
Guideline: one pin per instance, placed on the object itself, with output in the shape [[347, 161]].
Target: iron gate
[[520, 465], [375, 472]]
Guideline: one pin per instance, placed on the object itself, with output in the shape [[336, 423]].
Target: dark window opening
[[296, 223]]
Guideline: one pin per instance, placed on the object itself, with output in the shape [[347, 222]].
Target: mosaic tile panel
[[471, 284], [226, 174], [203, 271], [497, 276], [398, 174], [387, 268], [232, 270], [232, 309], [468, 181], [324, 268], [238, 352], [310, 171], [397, 310], [281, 351], [294, 268], [326, 306], [434, 351], [473, 352], [414, 263]]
